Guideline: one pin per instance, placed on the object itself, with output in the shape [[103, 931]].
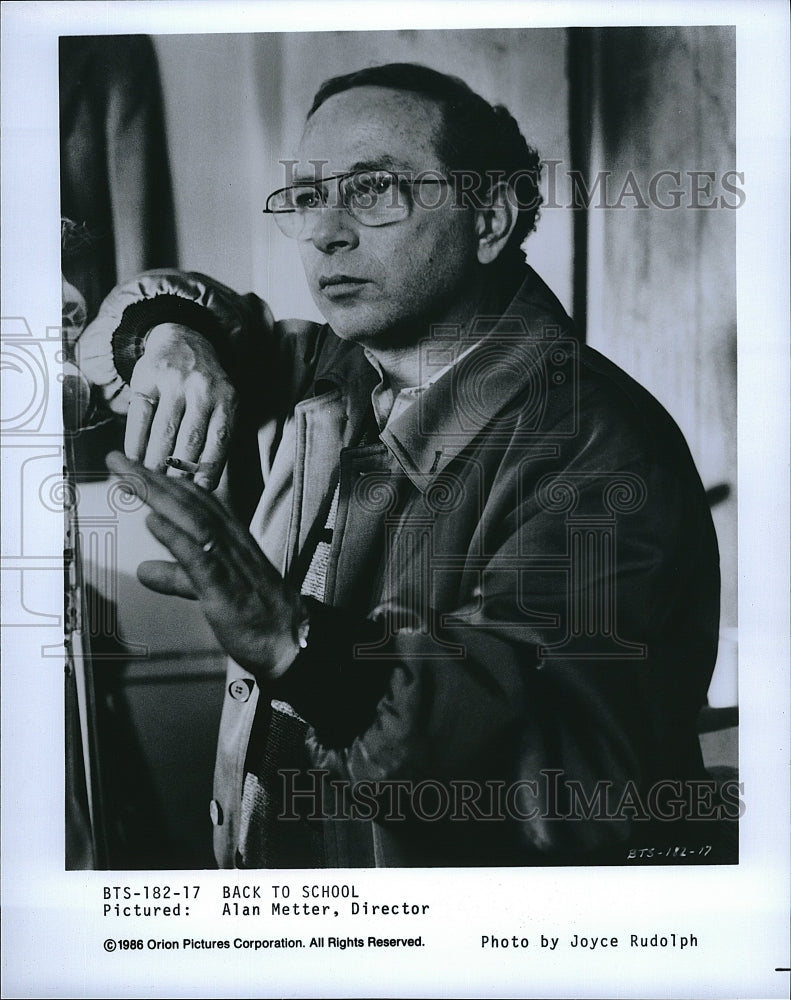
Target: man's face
[[403, 276]]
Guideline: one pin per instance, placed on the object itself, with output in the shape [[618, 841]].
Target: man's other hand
[[183, 405], [255, 615]]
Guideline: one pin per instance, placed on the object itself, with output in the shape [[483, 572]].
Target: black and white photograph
[[395, 451]]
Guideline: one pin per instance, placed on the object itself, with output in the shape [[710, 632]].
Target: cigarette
[[182, 465]]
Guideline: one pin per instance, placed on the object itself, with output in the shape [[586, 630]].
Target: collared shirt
[[388, 406]]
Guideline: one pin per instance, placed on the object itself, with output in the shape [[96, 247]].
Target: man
[[475, 616]]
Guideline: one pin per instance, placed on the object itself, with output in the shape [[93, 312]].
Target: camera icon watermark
[[518, 382], [31, 446], [45, 544]]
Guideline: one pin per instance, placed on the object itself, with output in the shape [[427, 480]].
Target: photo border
[[53, 927]]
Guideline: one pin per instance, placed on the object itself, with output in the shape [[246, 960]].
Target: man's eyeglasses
[[372, 197]]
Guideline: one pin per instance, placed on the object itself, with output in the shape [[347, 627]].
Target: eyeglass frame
[[337, 179]]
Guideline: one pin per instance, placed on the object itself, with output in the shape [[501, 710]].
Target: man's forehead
[[371, 126]]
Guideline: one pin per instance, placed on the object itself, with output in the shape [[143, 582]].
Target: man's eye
[[368, 189], [306, 198], [378, 182]]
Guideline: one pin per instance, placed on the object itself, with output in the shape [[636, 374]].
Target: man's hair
[[477, 138]]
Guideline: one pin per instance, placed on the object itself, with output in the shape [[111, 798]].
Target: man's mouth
[[339, 281]]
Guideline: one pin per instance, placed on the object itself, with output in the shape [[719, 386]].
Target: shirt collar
[[388, 405], [461, 397], [506, 360]]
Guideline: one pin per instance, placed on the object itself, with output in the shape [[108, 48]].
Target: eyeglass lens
[[373, 198]]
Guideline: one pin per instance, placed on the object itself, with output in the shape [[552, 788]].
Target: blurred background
[[169, 147]]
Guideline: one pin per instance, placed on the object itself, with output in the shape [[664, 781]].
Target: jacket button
[[215, 811], [240, 689]]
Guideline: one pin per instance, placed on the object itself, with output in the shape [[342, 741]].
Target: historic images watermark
[[550, 795], [551, 185]]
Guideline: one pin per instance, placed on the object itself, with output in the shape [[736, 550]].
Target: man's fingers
[[212, 573], [203, 439], [138, 425], [164, 428], [243, 597], [193, 526], [165, 578], [223, 563], [190, 438], [180, 393], [215, 449], [181, 544], [190, 509]]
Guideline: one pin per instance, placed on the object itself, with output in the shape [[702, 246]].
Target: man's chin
[[354, 324], [372, 328], [381, 338], [352, 332]]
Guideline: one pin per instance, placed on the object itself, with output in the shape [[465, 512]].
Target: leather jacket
[[522, 594]]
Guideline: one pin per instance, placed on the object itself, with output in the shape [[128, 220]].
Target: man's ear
[[494, 223]]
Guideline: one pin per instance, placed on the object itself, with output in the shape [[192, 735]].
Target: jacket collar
[[506, 365]]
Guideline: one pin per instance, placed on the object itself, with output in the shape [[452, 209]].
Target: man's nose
[[333, 230]]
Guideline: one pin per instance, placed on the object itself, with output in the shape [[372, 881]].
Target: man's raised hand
[[183, 405], [255, 615]]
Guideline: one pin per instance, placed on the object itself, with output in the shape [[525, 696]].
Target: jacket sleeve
[[266, 361]]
